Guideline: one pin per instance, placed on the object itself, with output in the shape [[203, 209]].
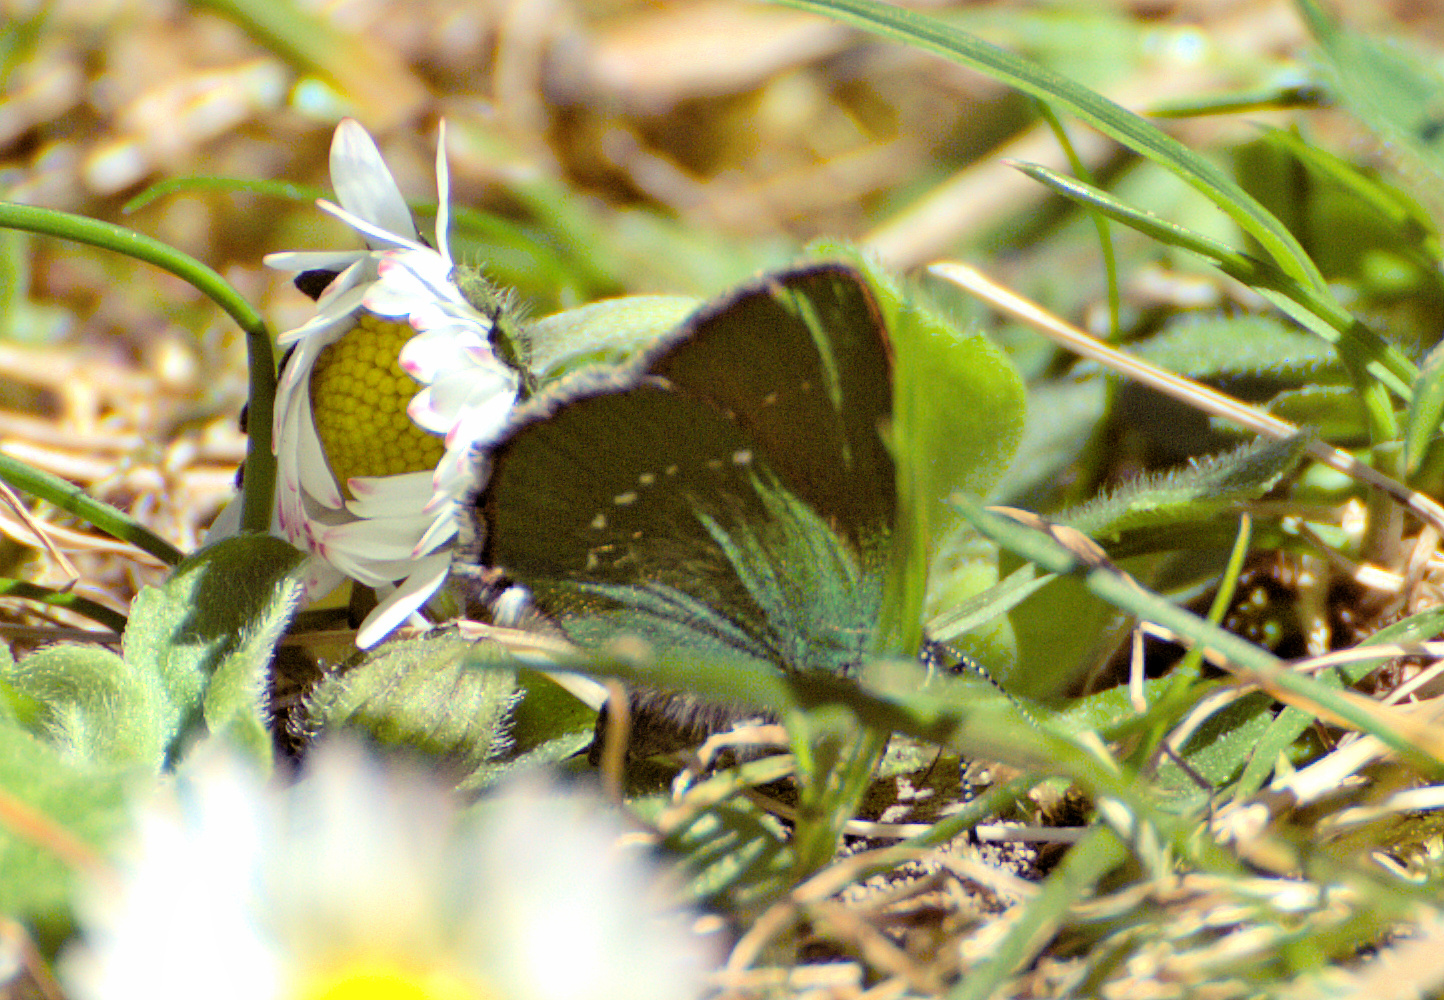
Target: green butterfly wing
[[729, 491]]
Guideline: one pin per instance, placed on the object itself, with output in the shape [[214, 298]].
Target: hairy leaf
[[428, 694]]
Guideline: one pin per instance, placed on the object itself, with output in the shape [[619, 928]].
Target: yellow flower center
[[388, 980], [358, 400]]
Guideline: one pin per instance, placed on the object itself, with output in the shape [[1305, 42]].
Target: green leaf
[[1216, 752], [85, 803], [933, 35], [1217, 346], [608, 332], [209, 632], [94, 707], [1062, 631], [435, 695], [546, 712], [1062, 416], [1334, 412], [1191, 493], [965, 604], [957, 418], [953, 619]]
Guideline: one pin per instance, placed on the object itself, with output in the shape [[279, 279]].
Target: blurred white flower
[[385, 393], [360, 883]]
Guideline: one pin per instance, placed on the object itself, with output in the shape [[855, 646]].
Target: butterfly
[[728, 491]]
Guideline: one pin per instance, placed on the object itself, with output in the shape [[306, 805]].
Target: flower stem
[[260, 476]]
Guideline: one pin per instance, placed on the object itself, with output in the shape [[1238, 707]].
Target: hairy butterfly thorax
[[508, 320]]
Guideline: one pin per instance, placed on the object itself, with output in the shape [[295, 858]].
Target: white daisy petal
[[455, 473], [454, 395], [482, 422], [380, 539], [365, 569], [379, 237], [320, 578], [363, 184], [312, 260], [442, 530], [405, 600], [429, 354], [346, 294], [389, 496], [426, 414], [316, 478], [295, 379], [334, 319], [426, 270], [365, 879], [443, 196], [389, 298]]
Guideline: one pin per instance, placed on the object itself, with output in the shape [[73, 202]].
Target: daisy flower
[[360, 882], [386, 391]]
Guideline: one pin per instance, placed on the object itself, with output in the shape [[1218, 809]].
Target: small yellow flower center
[[358, 400], [386, 980]]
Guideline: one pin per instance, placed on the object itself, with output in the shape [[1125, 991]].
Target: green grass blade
[[928, 33], [283, 190], [1190, 668], [1268, 98], [1419, 236], [1249, 661], [73, 500], [1100, 221], [1426, 410], [1354, 341], [260, 463], [98, 613]]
